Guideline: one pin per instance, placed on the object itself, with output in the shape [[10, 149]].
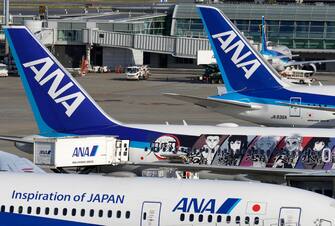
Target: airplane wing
[[272, 175], [13, 163], [317, 107], [211, 102], [296, 63]]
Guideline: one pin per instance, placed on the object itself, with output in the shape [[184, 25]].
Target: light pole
[[6, 23]]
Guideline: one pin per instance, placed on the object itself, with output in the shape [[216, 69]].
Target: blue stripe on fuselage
[[273, 96], [228, 206], [13, 219]]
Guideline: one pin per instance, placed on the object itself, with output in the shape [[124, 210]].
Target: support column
[[88, 55]]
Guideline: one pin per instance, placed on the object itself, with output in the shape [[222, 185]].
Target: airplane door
[[289, 216], [151, 213], [125, 151], [325, 223], [118, 151], [295, 111]]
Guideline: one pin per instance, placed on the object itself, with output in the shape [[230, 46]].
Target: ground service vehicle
[[3, 70], [211, 75], [137, 72]]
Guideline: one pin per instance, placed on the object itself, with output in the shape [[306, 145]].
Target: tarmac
[[126, 101]]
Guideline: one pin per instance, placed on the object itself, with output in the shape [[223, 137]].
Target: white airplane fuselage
[[299, 106], [274, 115], [96, 200]]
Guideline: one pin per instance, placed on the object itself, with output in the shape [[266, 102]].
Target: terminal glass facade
[[150, 25], [296, 26]]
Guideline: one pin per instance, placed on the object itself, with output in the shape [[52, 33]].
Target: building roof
[[245, 11]]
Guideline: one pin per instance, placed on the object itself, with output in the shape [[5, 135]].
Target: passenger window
[[118, 214], [56, 211], [201, 218], [20, 209], [101, 213], [29, 210], [82, 212], [11, 209], [282, 222], [210, 218], [247, 220], [144, 216], [256, 221], [228, 219], [3, 208], [47, 210], [128, 214], [91, 212], [182, 217], [191, 217], [238, 219], [109, 214], [38, 210], [74, 212], [64, 211]]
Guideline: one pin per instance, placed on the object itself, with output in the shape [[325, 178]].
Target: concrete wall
[[156, 60]]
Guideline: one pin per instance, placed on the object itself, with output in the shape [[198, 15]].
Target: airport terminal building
[[169, 35]]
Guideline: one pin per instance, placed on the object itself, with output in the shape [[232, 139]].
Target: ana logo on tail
[[55, 91], [227, 45]]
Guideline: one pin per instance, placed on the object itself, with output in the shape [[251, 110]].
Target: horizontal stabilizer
[[17, 139], [212, 102], [300, 63]]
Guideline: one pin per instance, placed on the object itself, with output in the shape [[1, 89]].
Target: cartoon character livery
[[254, 91], [63, 108]]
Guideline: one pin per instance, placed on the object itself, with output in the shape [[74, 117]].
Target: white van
[[137, 72], [3, 70]]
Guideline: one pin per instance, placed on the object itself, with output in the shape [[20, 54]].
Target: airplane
[[253, 90], [65, 199], [281, 57], [61, 107]]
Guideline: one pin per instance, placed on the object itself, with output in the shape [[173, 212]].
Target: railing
[[185, 47], [177, 46]]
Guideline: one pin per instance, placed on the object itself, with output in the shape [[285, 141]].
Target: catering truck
[[81, 151]]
